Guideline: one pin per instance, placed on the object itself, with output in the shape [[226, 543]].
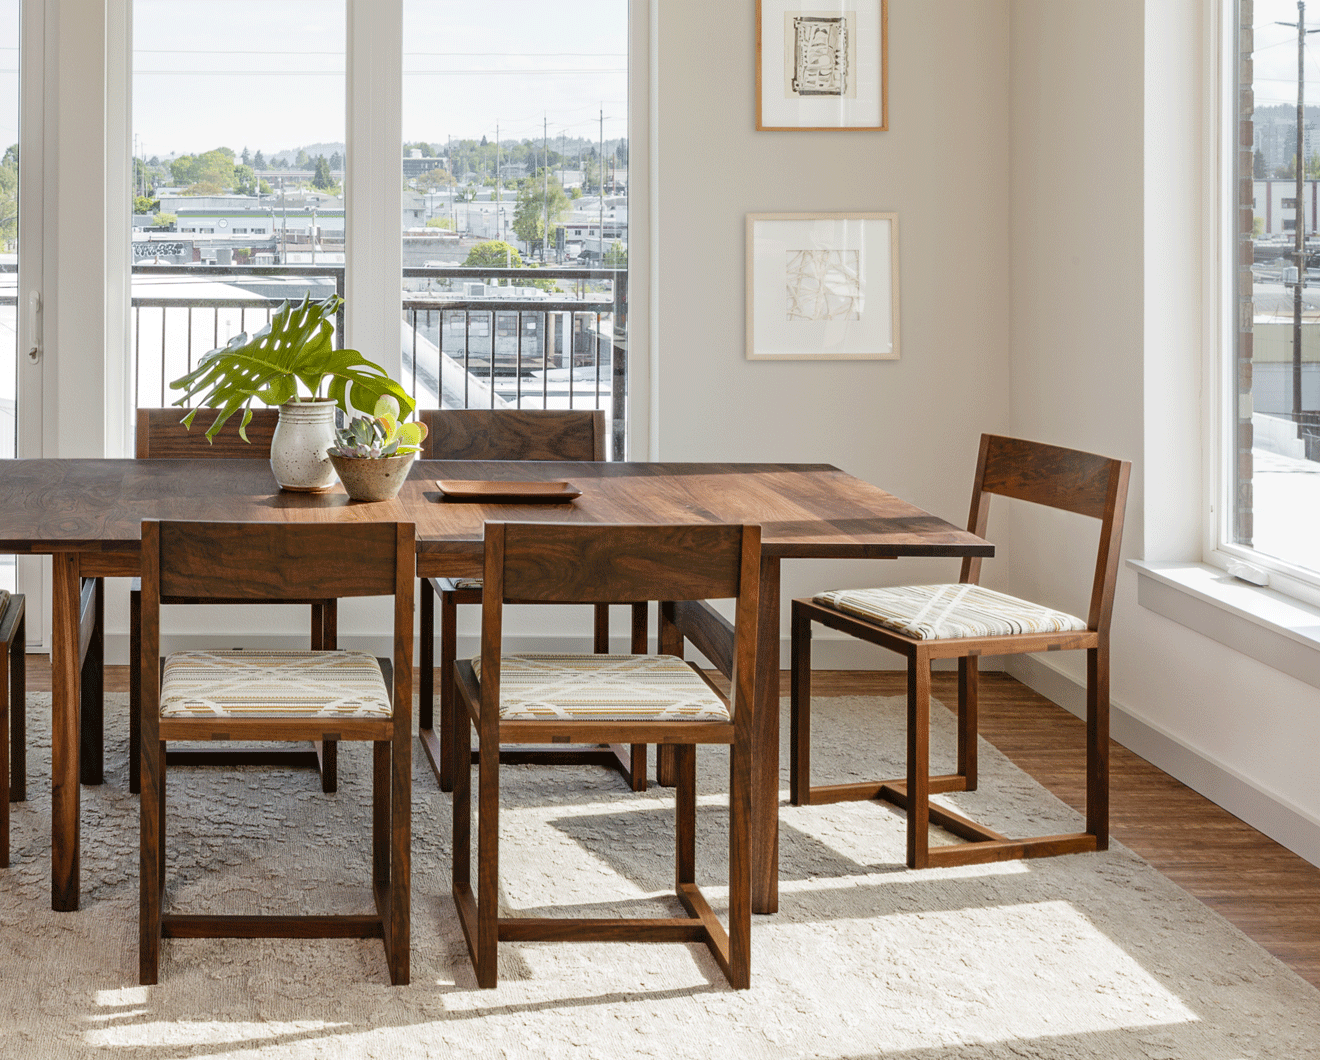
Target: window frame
[[1220, 549]]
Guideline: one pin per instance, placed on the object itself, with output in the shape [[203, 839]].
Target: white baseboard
[[1220, 783]]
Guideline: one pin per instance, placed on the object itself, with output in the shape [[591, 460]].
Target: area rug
[[1082, 956]]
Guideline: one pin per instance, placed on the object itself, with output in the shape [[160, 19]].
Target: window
[[1269, 485]]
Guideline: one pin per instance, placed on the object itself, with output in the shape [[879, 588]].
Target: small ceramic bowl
[[372, 480]]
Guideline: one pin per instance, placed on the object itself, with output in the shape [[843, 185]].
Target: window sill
[[1267, 626]]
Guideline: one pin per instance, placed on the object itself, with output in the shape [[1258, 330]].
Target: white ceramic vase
[[298, 449]]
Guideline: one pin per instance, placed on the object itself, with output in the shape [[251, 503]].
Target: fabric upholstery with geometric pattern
[[945, 612], [273, 684], [542, 687]]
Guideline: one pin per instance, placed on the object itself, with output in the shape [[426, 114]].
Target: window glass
[[238, 165], [515, 214], [1273, 458]]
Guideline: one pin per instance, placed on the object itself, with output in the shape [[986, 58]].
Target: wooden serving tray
[[507, 492]]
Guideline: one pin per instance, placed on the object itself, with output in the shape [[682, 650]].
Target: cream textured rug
[[1084, 956]]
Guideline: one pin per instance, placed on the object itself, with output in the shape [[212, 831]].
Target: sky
[[269, 74], [1275, 57]]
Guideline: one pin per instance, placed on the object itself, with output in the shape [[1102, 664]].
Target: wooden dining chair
[[161, 436], [280, 696], [965, 621], [503, 435], [612, 699], [13, 711]]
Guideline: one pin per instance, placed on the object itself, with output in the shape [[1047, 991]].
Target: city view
[[514, 170]]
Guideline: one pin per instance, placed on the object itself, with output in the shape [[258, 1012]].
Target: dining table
[[87, 515]]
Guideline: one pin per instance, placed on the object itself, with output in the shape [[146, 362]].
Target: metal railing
[[459, 349]]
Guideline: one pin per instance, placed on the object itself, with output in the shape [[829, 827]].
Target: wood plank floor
[[1269, 893]]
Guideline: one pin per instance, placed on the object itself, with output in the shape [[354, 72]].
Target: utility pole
[[499, 214], [545, 154], [600, 176], [1299, 224]]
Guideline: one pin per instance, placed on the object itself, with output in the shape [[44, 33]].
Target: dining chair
[[13, 711], [613, 699], [161, 436], [503, 435], [279, 696], [965, 621]]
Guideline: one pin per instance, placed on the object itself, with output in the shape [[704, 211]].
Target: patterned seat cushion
[[273, 684], [538, 687], [943, 612], [467, 583]]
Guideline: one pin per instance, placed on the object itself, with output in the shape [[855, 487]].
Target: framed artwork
[[822, 64], [822, 286]]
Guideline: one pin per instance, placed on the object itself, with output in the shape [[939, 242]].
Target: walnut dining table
[[87, 515]]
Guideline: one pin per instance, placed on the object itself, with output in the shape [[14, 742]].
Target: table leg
[[64, 752], [765, 746]]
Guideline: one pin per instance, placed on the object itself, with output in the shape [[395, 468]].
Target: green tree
[[144, 204], [258, 161], [494, 253], [245, 157], [616, 256], [213, 167], [337, 162], [9, 197], [166, 220], [440, 222], [204, 187], [245, 181], [434, 180], [536, 196], [322, 178], [301, 159]]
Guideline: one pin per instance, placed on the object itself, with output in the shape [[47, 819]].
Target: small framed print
[[822, 286], [822, 64]]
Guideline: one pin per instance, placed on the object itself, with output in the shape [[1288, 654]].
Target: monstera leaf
[[295, 347]]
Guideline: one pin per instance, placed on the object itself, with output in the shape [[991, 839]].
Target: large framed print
[[822, 64], [822, 286]]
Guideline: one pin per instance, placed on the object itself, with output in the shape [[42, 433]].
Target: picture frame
[[822, 286], [822, 65]]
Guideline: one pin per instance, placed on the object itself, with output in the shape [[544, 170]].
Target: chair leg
[[134, 690], [398, 929], [380, 812], [488, 861], [92, 685], [799, 746], [1097, 745], [18, 713], [5, 652], [918, 762], [150, 865], [740, 865], [426, 657], [325, 633], [685, 814], [968, 704], [637, 772], [448, 694]]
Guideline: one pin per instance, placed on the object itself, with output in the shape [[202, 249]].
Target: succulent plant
[[379, 436]]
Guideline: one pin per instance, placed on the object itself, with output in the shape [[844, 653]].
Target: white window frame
[[1221, 393]]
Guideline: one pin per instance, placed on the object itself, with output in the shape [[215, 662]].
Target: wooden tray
[[507, 492]]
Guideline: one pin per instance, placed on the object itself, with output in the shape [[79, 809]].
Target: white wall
[[1109, 324], [911, 426]]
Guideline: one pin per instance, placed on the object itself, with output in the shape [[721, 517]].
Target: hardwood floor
[[1269, 893]]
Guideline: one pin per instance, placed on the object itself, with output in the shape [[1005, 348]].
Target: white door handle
[[34, 325]]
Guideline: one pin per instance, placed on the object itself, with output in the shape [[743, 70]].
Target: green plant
[[376, 437], [295, 347]]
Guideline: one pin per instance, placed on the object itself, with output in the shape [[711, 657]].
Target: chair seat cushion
[[543, 687], [273, 684], [945, 612]]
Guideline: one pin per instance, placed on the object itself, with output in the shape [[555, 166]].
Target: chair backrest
[[161, 435], [514, 434], [197, 561], [1068, 479], [605, 564]]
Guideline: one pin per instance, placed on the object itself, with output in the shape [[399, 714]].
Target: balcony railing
[[465, 342]]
